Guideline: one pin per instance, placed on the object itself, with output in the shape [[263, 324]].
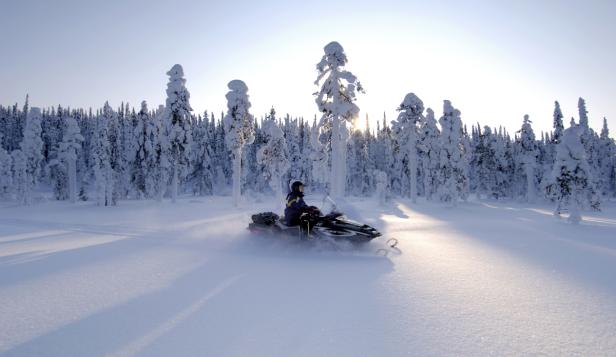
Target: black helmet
[[295, 186]]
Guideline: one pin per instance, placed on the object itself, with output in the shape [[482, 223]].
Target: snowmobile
[[314, 225]]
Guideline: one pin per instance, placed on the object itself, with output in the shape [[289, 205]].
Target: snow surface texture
[[186, 279]]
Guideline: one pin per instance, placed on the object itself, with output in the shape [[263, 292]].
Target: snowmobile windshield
[[328, 206]]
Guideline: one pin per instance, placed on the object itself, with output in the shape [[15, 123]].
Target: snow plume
[[239, 129], [336, 100], [572, 178], [406, 129]]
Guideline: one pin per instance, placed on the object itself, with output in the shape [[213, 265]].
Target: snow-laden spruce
[[336, 100], [239, 129], [557, 123], [6, 174], [274, 156], [360, 175], [32, 149], [406, 129], [452, 173], [70, 145], [177, 124], [101, 164], [319, 158], [201, 177], [381, 180], [572, 178], [431, 150], [606, 163], [527, 158], [140, 138], [20, 175]]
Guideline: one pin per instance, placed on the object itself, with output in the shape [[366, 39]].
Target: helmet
[[295, 186]]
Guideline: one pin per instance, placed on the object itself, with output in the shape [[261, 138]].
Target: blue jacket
[[295, 207]]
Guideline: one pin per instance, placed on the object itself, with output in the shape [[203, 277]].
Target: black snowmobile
[[315, 225]]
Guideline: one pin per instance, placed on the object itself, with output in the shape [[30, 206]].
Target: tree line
[[109, 155]]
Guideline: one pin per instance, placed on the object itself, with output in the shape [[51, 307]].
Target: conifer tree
[[572, 181], [6, 175], [527, 158], [70, 145], [32, 149], [452, 178], [606, 162], [101, 160], [336, 100], [20, 175], [557, 123], [406, 129], [430, 144], [177, 122], [274, 156], [239, 129]]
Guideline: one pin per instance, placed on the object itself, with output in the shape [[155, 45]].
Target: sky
[[495, 60]]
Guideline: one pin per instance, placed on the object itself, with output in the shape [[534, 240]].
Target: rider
[[295, 204]]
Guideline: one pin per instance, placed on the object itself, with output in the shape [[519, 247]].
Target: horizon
[[486, 57]]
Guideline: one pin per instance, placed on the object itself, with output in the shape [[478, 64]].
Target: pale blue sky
[[496, 60]]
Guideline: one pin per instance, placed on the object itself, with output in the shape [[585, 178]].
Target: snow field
[[158, 279]]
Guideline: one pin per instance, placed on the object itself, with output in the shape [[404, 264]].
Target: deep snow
[[186, 279]]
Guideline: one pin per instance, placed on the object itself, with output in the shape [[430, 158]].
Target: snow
[[238, 86], [185, 279]]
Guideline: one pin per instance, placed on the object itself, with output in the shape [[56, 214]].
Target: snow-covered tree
[[130, 150], [606, 163], [239, 130], [336, 100], [70, 145], [6, 175], [572, 178], [406, 129], [31, 147], [20, 175], [452, 175], [381, 186], [163, 150], [143, 149], [431, 149], [101, 164], [118, 165], [274, 156], [306, 152], [151, 154], [177, 122], [202, 179], [359, 167], [527, 157], [557, 123], [318, 157]]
